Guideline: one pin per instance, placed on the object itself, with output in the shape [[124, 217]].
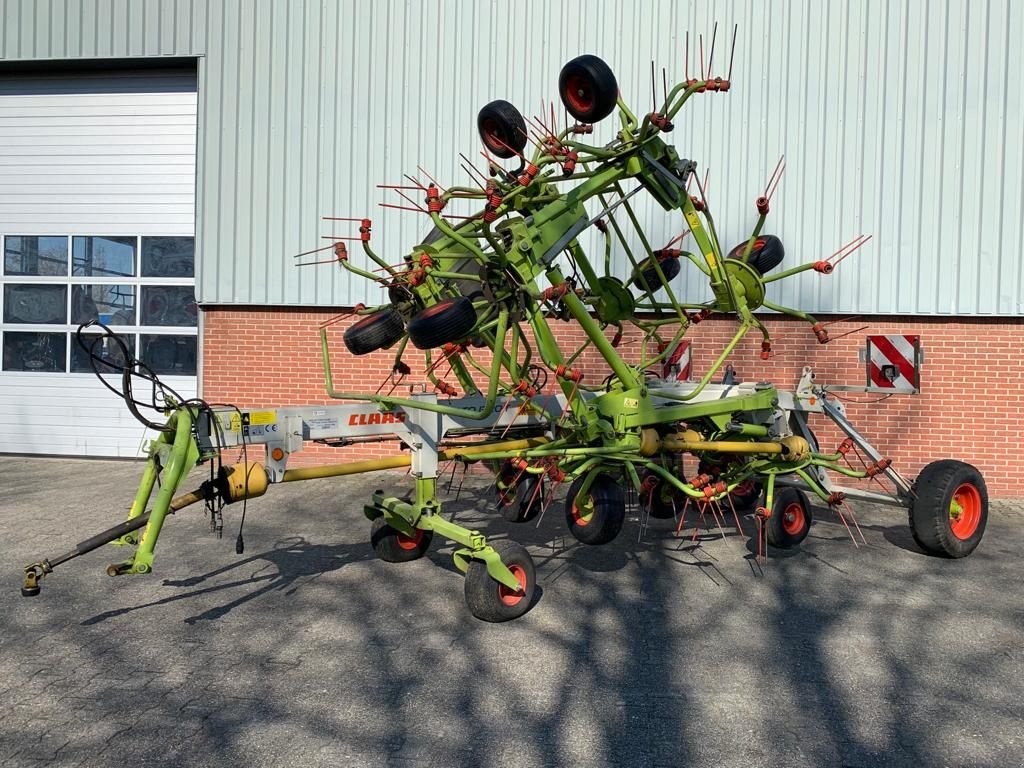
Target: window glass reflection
[[37, 256], [34, 352], [168, 257], [109, 304], [38, 304], [103, 256]]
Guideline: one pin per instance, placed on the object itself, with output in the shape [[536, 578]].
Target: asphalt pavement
[[655, 650]]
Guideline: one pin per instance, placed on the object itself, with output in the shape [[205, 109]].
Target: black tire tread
[[777, 536], [512, 128], [606, 88], [384, 540], [440, 326], [609, 510], [372, 332], [481, 591], [928, 517]]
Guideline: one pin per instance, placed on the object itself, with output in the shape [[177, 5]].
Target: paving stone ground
[[306, 650]]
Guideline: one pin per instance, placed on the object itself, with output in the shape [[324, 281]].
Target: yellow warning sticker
[[630, 402], [250, 418], [262, 417]]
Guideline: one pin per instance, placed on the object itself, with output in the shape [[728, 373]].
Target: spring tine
[[732, 53], [415, 181], [711, 53], [772, 177], [400, 208], [315, 250], [436, 182]]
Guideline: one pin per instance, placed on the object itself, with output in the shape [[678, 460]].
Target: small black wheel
[[790, 521], [502, 129], [665, 501], [765, 256], [377, 331], [597, 518], [393, 546], [744, 497], [950, 510], [448, 320], [670, 267], [588, 89], [518, 497], [490, 600]]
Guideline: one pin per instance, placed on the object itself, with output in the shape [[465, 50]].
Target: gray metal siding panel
[[897, 119]]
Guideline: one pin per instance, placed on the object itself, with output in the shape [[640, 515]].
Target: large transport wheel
[[588, 89], [502, 129], [393, 546], [446, 321], [518, 498], [766, 254], [950, 509], [377, 331], [597, 518], [490, 600], [790, 521]]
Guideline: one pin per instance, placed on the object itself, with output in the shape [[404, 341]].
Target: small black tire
[[392, 546], [765, 256], [490, 600], [598, 518], [745, 496], [670, 268], [588, 88], [502, 129], [377, 331], [790, 521], [448, 320], [518, 498], [939, 489]]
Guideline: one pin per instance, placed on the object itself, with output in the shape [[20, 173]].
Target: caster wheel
[[377, 331], [597, 518], [490, 600], [393, 546], [588, 89], [448, 320], [519, 500], [790, 521], [502, 129], [950, 511]]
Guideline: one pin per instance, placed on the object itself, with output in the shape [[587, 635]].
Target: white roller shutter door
[[97, 221]]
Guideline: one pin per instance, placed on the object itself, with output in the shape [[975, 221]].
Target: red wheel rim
[[743, 489], [490, 130], [441, 306], [965, 511], [793, 518], [579, 93], [507, 495], [511, 596], [582, 518], [409, 543]]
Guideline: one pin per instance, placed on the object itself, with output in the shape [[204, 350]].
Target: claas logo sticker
[[363, 419]]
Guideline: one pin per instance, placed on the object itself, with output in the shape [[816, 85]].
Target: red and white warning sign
[[894, 363], [678, 362]]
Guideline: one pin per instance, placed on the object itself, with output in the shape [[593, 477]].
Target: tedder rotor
[[481, 294]]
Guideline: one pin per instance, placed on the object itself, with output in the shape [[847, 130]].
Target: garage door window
[[144, 287]]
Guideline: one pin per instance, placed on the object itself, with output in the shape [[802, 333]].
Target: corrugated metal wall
[[904, 120]]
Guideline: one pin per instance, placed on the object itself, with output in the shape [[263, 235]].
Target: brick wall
[[971, 407]]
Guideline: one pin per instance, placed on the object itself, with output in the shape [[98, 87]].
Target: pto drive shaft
[[35, 572]]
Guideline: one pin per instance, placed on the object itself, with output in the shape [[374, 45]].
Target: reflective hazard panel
[[677, 363], [894, 363]]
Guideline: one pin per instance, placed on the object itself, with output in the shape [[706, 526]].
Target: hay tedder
[[480, 295]]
